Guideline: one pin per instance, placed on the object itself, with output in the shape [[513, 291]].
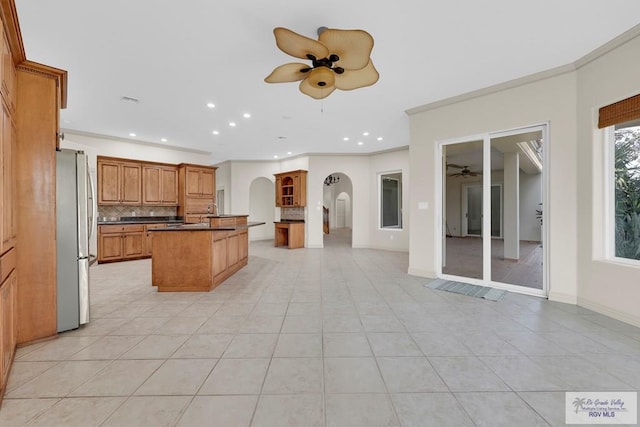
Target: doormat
[[467, 289]]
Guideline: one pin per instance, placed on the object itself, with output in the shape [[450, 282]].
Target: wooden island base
[[197, 257]]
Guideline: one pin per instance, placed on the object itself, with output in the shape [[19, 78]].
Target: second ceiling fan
[[464, 171]]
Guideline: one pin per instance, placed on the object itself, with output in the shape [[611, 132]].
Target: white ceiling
[[177, 56]]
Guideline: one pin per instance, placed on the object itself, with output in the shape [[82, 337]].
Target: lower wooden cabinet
[[8, 330], [121, 242]]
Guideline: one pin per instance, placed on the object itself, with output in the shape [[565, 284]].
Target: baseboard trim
[[421, 273], [607, 311], [564, 298]]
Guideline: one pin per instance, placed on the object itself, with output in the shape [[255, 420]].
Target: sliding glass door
[[497, 243]]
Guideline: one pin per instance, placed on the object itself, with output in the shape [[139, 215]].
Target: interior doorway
[[337, 209], [498, 243]]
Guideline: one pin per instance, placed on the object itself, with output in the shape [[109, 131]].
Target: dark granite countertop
[[203, 226], [289, 221], [143, 220]]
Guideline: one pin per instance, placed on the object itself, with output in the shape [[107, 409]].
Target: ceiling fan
[[340, 59], [464, 171]]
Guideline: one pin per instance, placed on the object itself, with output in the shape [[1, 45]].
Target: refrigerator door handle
[[92, 198]]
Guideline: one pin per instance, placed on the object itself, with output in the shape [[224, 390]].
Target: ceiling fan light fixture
[[322, 77]]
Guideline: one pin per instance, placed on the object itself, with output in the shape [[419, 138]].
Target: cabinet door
[[296, 190], [108, 182], [207, 183], [133, 245], [278, 191], [7, 310], [110, 248], [131, 184], [192, 186], [148, 250], [7, 181], [169, 186], [152, 182]]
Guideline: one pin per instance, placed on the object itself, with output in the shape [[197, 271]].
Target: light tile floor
[[311, 337]]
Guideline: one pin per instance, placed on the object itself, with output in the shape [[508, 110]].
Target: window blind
[[619, 112]]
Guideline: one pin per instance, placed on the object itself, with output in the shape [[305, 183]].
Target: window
[[391, 200], [625, 165]]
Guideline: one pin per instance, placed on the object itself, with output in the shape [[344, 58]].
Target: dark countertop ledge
[[206, 227]]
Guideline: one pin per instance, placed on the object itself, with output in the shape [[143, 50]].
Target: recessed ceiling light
[[232, 124], [215, 132], [132, 134], [163, 139], [275, 156], [360, 143], [211, 105], [289, 153], [379, 138], [346, 138], [365, 133], [246, 115]]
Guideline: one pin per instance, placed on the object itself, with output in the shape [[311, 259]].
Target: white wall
[[549, 100], [608, 287], [386, 238], [261, 209]]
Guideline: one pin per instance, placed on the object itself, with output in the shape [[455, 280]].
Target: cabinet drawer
[[106, 229]]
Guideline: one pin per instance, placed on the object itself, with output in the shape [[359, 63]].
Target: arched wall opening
[[261, 208]]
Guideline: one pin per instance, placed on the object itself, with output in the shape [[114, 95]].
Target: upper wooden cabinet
[[159, 185], [200, 181], [291, 189], [119, 182], [196, 191]]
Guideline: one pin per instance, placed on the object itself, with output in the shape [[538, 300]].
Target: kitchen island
[[198, 257]]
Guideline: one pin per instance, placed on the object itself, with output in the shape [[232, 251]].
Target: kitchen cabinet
[[8, 85], [196, 191], [159, 185], [121, 242], [7, 164], [291, 188], [149, 237], [7, 315], [119, 182], [200, 181], [289, 234]]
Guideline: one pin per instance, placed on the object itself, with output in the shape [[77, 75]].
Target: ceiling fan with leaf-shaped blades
[[340, 59], [464, 171]]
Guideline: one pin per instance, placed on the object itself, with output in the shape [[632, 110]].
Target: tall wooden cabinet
[[31, 96], [291, 189]]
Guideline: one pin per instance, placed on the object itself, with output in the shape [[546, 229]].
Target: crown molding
[[134, 141]]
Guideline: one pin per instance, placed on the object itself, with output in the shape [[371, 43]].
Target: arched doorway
[[337, 209], [261, 208]]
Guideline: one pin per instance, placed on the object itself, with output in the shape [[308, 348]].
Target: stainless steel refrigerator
[[75, 216]]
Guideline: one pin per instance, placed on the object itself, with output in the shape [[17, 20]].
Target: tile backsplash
[[292, 213], [110, 212]]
